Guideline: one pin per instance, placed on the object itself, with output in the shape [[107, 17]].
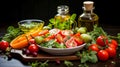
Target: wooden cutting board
[[42, 56]]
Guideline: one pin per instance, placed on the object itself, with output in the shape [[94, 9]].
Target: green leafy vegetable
[[39, 64], [68, 63], [52, 44], [12, 32], [89, 56], [97, 31]]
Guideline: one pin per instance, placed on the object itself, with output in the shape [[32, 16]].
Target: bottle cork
[[88, 5]]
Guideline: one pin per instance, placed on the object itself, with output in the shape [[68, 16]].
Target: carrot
[[21, 41]]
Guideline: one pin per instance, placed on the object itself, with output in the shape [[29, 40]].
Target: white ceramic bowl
[[62, 51]]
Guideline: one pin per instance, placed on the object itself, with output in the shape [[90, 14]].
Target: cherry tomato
[[103, 55], [33, 48], [101, 40], [32, 41], [94, 47], [111, 45], [70, 43], [3, 45], [111, 51], [114, 42]]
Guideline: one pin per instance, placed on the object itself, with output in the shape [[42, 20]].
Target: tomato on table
[[33, 48], [114, 42], [111, 51], [112, 45], [103, 55], [101, 40], [94, 47], [3, 45]]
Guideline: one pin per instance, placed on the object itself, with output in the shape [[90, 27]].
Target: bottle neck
[[63, 12], [88, 11]]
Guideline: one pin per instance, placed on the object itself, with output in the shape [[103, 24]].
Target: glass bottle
[[88, 18], [63, 19], [63, 13]]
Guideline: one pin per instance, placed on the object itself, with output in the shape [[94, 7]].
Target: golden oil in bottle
[[88, 18], [63, 13]]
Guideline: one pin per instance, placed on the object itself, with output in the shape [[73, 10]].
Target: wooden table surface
[[16, 61]]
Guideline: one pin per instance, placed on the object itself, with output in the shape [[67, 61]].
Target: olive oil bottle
[[63, 19], [63, 13], [88, 18]]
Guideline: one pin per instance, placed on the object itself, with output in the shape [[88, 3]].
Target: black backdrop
[[13, 11]]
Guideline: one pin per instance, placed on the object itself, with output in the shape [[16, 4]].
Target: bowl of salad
[[62, 51], [60, 42], [30, 24]]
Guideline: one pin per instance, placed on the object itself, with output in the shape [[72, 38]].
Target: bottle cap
[[88, 5], [63, 9]]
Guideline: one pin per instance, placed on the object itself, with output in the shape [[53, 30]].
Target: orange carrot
[[21, 41]]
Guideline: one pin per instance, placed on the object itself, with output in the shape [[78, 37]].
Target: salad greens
[[52, 44]]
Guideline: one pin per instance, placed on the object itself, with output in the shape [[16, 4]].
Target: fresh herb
[[68, 63], [12, 32], [56, 23], [97, 31], [39, 64], [116, 38], [88, 56]]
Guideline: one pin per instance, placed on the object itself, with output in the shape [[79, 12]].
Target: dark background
[[13, 11]]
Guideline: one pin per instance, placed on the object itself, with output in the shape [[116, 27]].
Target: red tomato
[[103, 55], [59, 38], [77, 35], [70, 43], [114, 42], [49, 38], [54, 31], [4, 45], [111, 45], [78, 40], [33, 48], [32, 41], [66, 32], [111, 51], [94, 47], [101, 40]]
